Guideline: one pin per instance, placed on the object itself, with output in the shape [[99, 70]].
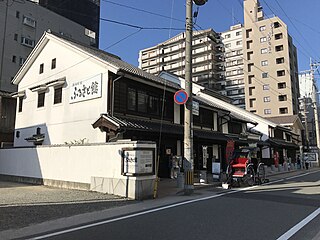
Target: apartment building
[[169, 56], [270, 69], [233, 64], [22, 25]]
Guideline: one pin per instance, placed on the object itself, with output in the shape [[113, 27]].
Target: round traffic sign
[[181, 97]]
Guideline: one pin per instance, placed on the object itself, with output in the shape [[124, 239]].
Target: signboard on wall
[[195, 108], [138, 161], [86, 89]]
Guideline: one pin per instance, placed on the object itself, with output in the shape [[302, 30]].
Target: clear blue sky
[[301, 16]]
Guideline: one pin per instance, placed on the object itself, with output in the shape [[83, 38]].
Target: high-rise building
[[84, 12], [170, 56], [270, 69], [22, 25], [233, 65]]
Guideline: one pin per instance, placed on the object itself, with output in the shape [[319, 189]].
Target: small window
[[264, 50], [29, 21], [132, 96], [238, 33], [264, 63], [282, 85], [20, 104], [250, 79], [228, 45], [264, 75], [283, 110], [250, 67], [227, 36], [21, 61], [266, 87], [15, 37], [262, 28], [266, 99], [280, 60], [279, 48], [41, 98], [238, 43], [17, 14], [53, 63], [251, 102], [263, 39], [267, 111], [282, 98], [57, 95], [17, 134], [278, 36], [281, 73], [251, 89], [41, 68], [276, 25], [14, 59]]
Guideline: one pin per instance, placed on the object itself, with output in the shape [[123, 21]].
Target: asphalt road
[[279, 210]]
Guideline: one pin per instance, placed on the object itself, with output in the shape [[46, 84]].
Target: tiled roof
[[288, 119], [117, 62]]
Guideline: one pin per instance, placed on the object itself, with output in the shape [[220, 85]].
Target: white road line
[[300, 225], [156, 210]]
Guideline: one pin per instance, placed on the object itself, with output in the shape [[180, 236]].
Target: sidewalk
[[168, 187]]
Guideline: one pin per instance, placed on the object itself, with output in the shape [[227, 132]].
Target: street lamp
[[188, 119]]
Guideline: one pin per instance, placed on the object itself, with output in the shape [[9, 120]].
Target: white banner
[[86, 90]]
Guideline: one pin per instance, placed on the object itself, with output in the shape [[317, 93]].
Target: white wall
[[74, 163], [66, 121]]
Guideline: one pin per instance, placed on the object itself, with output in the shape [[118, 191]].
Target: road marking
[[300, 225], [159, 209]]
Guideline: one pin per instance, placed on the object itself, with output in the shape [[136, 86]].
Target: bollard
[[180, 180]]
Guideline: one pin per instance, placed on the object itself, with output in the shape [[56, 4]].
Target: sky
[[301, 16]]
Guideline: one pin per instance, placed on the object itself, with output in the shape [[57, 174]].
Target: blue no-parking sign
[[181, 97]]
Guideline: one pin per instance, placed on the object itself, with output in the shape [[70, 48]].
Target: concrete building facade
[[270, 70], [233, 65], [170, 56]]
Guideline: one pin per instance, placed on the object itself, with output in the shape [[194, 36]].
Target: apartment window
[[17, 14], [264, 63], [266, 87], [238, 43], [283, 110], [278, 36], [251, 89], [281, 85], [249, 44], [53, 63], [57, 95], [17, 134], [276, 24], [250, 79], [280, 60], [267, 111], [132, 95], [41, 68], [279, 48], [27, 42], [281, 73], [251, 102], [266, 99], [248, 33], [262, 28], [264, 50], [253, 111], [282, 98], [264, 75], [41, 98], [15, 37], [250, 67], [238, 33], [29, 21], [14, 59], [263, 39], [21, 61], [228, 45], [20, 104], [249, 55], [227, 36]]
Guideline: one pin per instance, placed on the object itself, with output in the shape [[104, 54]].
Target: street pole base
[[188, 189]]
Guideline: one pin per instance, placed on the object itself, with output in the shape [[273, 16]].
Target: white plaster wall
[[64, 122], [66, 163]]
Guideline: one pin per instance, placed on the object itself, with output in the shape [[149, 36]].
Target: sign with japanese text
[[138, 162], [86, 90], [195, 108]]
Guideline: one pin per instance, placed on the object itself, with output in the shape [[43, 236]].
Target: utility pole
[[188, 118]]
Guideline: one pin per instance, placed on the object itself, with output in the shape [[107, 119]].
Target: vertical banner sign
[[229, 150], [204, 156], [88, 89]]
